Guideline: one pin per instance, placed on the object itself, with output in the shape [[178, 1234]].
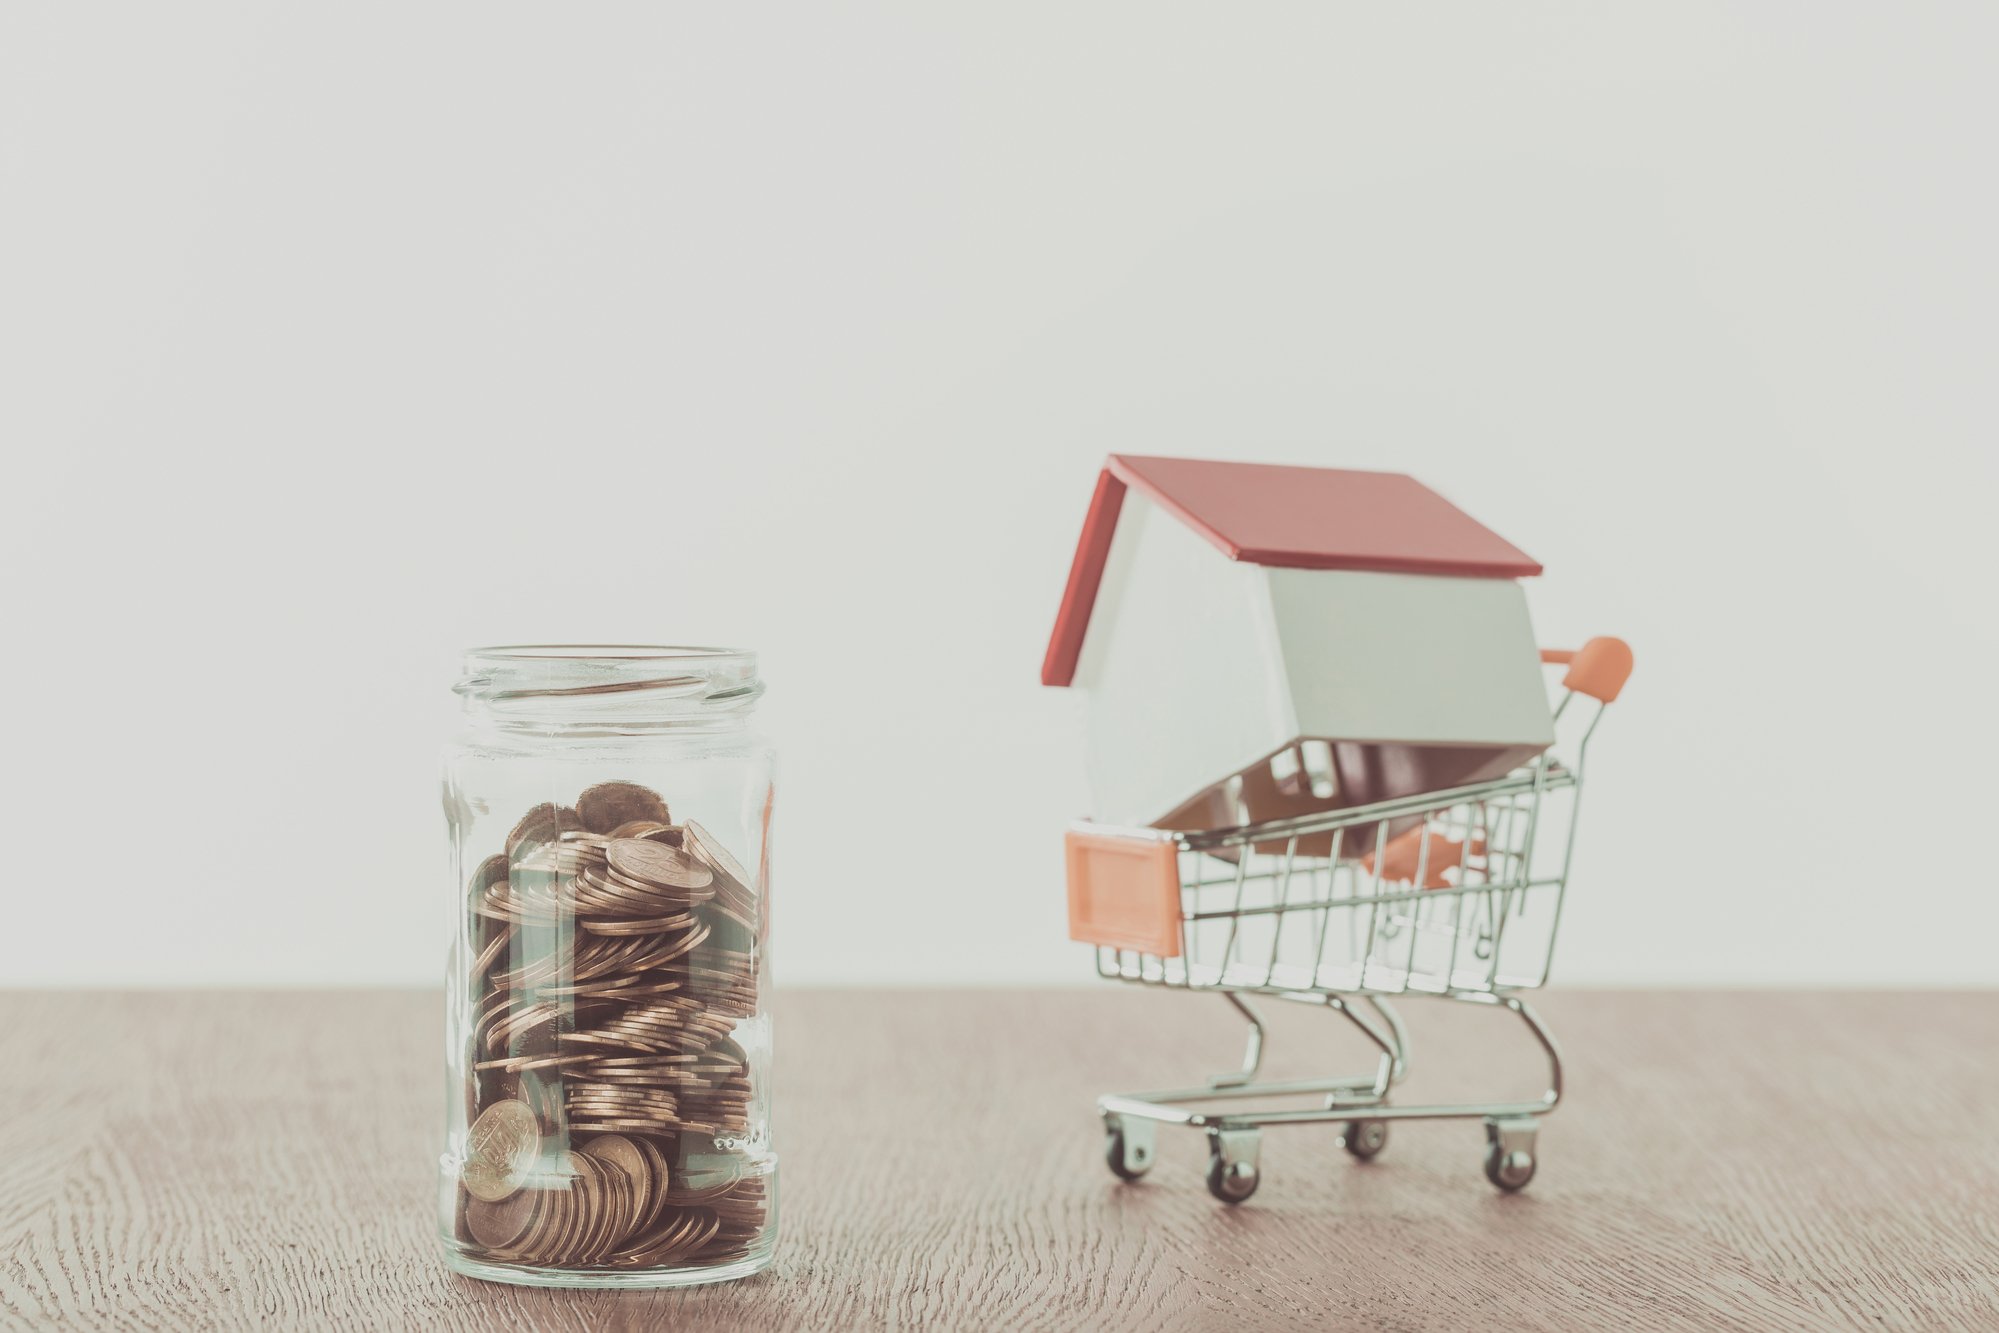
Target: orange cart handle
[[1599, 668]]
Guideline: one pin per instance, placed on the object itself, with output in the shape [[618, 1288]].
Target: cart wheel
[[1128, 1158], [1231, 1183], [1365, 1138], [1510, 1169], [1232, 1171]]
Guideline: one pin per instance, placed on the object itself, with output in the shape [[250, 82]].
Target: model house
[[1259, 642]]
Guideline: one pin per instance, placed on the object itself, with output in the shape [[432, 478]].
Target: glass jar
[[608, 1108]]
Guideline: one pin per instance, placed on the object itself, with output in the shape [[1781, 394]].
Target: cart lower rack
[[1453, 894]]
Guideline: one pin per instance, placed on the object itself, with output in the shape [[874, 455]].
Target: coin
[[626, 1154], [614, 954], [547, 1239], [545, 823], [642, 926], [500, 1150], [706, 1172], [609, 804], [497, 1226], [590, 1193], [491, 953], [679, 1233], [654, 863], [660, 1174], [709, 848], [492, 870], [634, 1189], [625, 1124]]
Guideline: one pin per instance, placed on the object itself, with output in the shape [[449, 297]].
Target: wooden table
[[1766, 1160]]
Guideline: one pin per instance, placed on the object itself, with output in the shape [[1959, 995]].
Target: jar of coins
[[608, 1104]]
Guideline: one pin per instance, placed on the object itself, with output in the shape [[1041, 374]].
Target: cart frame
[[1145, 897]]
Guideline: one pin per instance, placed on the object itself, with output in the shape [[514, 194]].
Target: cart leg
[[1128, 1145], [1232, 1163], [1387, 1039], [1547, 1040], [1520, 1009], [1398, 1036], [1509, 1151], [1252, 1055]]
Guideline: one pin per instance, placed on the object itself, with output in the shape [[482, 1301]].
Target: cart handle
[[1599, 668]]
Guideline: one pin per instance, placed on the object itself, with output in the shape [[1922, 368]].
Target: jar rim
[[606, 682], [592, 652]]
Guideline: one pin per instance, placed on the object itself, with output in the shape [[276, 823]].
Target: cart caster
[[1509, 1153], [1365, 1138], [1232, 1170], [1127, 1146]]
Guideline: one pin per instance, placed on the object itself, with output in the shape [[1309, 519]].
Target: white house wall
[[1184, 685], [1409, 657]]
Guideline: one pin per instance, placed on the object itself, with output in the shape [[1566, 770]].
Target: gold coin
[[500, 1151]]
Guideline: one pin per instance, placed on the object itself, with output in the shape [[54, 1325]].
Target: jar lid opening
[[607, 681]]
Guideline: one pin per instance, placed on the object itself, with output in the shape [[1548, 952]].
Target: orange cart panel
[[1124, 893]]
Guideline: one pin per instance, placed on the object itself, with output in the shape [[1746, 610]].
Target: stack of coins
[[608, 1099]]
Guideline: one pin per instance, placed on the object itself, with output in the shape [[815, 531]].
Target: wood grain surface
[[1766, 1160]]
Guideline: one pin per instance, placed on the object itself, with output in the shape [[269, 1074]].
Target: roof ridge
[[1308, 518]]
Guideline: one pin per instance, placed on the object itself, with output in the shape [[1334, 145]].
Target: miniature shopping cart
[[1455, 894]]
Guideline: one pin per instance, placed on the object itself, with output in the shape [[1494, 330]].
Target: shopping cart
[[1454, 894]]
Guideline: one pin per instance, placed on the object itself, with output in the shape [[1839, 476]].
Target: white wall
[[335, 338]]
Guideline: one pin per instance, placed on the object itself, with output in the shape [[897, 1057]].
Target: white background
[[334, 339]]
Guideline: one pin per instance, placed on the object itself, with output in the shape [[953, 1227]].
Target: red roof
[[1295, 517]]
